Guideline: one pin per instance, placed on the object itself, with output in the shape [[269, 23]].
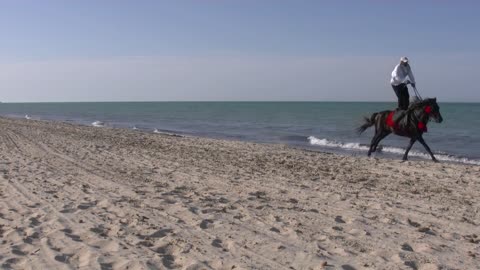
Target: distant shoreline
[[302, 142]]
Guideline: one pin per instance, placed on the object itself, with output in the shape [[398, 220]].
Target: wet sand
[[100, 198]]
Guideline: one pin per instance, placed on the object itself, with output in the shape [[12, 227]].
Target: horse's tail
[[368, 123]]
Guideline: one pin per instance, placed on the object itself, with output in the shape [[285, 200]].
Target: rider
[[400, 81]]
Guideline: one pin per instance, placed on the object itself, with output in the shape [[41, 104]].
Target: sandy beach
[[78, 197]]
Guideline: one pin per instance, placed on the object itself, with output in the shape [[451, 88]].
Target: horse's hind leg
[[372, 143], [381, 137], [412, 141]]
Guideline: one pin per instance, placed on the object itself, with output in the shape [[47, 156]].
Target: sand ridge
[[100, 198]]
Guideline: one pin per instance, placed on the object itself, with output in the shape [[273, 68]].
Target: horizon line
[[219, 101]]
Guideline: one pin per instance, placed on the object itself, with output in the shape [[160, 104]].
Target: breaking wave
[[167, 133], [389, 149], [98, 124]]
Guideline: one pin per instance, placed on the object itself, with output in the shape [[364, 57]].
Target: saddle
[[398, 115], [398, 119]]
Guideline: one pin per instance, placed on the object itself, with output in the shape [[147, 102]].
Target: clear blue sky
[[235, 50]]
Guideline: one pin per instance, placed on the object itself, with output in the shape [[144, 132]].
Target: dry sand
[[99, 198]]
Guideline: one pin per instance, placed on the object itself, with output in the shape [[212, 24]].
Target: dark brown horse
[[413, 124]]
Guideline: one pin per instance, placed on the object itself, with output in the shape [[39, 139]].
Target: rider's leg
[[396, 89], [404, 97]]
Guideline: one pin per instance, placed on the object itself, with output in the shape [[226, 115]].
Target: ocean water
[[323, 126]]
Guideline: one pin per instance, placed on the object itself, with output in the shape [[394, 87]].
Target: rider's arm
[[410, 76]]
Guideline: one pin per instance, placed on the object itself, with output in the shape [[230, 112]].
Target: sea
[[317, 126]]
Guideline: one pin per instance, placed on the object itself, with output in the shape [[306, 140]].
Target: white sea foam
[[134, 128], [98, 124], [27, 117], [167, 133], [328, 143], [388, 149]]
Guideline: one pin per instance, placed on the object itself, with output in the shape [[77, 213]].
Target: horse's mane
[[422, 103]]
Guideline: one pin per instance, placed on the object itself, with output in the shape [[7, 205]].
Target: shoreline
[[107, 198], [327, 145]]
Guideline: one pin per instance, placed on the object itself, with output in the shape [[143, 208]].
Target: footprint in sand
[[273, 229], [148, 241], [20, 250], [217, 243], [161, 233], [357, 232], [169, 261], [413, 223], [31, 238], [106, 266], [35, 205], [411, 264], [407, 247], [258, 195], [206, 224], [81, 258], [339, 219], [34, 222], [87, 189], [107, 245], [63, 257], [422, 248], [337, 228], [224, 246], [69, 233], [472, 238], [84, 206], [14, 263], [68, 209], [168, 254], [100, 230]]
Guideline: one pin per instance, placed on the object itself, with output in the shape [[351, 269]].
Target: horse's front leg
[[412, 141], [422, 141]]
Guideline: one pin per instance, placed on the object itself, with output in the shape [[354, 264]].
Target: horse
[[412, 125]]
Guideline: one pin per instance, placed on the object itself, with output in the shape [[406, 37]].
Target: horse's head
[[432, 109]]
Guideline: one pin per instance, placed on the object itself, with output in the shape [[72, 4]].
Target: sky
[[243, 50]]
